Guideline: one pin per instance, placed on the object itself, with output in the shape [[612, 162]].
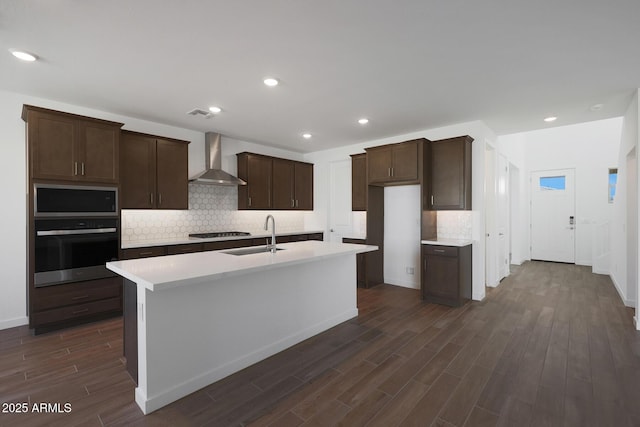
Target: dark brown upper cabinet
[[448, 174], [303, 185], [393, 164], [292, 185], [359, 182], [154, 172], [69, 147], [257, 171], [274, 183]]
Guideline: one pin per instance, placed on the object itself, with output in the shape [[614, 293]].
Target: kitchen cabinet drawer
[[135, 253], [76, 293], [185, 249], [228, 244], [441, 250], [68, 313]]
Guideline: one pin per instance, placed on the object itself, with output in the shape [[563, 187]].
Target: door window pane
[[613, 180], [552, 182]]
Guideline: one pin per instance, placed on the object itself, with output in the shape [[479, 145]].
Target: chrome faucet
[[272, 246]]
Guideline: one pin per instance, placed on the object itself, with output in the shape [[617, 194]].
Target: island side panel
[[198, 334]]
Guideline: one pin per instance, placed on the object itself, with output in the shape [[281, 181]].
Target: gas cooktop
[[219, 234]]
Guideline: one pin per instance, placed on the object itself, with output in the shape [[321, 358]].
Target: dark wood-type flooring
[[552, 345]]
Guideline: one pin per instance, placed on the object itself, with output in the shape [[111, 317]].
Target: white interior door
[[502, 216], [553, 215], [491, 257], [340, 215]]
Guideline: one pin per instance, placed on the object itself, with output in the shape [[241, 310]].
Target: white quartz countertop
[[186, 239], [448, 242], [172, 271]]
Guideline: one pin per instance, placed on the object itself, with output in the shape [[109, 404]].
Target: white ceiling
[[406, 65]]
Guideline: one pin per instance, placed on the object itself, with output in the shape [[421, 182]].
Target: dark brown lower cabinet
[[59, 306], [130, 324], [446, 274], [361, 262], [145, 252]]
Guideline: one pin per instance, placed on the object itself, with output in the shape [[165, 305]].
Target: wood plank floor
[[552, 345]]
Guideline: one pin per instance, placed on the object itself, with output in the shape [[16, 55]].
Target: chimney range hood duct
[[213, 173]]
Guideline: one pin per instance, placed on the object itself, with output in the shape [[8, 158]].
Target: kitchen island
[[199, 317]]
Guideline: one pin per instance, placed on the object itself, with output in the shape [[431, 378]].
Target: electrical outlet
[[409, 270]]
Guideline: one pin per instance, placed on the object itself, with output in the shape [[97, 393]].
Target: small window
[[613, 180], [552, 182]]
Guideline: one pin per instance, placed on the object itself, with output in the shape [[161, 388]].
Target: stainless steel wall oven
[[76, 233]]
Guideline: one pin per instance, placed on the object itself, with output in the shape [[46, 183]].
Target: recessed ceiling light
[[550, 119], [25, 56], [363, 121], [270, 81], [306, 135], [596, 107], [215, 110]]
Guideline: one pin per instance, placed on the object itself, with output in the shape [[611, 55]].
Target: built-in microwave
[[52, 200]]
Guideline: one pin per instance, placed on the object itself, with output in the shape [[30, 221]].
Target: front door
[[553, 215]]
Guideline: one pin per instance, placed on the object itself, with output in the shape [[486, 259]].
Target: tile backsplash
[[211, 208], [455, 225]]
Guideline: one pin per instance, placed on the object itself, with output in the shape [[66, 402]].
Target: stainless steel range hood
[[213, 173]]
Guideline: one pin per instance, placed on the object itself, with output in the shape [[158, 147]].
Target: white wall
[[591, 149], [618, 267], [481, 134], [13, 288], [402, 235]]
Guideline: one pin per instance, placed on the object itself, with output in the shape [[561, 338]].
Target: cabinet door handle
[[146, 253], [151, 198], [75, 168], [432, 200], [389, 171], [84, 310], [79, 297], [392, 172], [249, 201], [159, 199], [440, 251], [296, 203], [82, 168], [293, 203]]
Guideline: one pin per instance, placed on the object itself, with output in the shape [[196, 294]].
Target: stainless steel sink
[[249, 251]]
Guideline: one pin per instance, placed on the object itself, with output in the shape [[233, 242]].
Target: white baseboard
[[597, 271], [12, 323], [401, 282], [623, 296]]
